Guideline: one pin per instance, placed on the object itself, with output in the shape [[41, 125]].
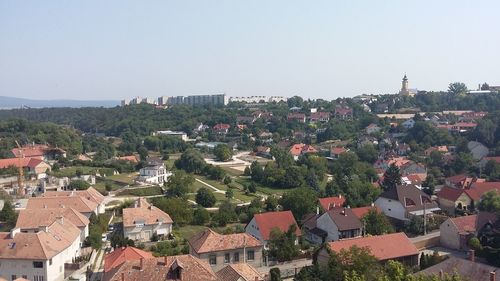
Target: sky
[[316, 49]]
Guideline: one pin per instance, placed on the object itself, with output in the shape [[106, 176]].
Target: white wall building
[[144, 220]]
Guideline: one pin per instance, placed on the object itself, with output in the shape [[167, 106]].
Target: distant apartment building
[[217, 99], [251, 99], [278, 99]]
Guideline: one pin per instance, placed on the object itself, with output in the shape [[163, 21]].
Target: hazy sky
[[116, 49]]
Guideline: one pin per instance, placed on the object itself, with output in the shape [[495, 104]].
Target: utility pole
[[425, 220], [20, 169]]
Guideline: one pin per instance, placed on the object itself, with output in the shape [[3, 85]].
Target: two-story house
[[39, 256], [340, 223], [90, 194], [154, 172], [220, 250], [143, 220], [80, 204]]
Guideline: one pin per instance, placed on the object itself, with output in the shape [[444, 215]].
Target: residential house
[[114, 260], [300, 149], [310, 229], [472, 116], [343, 113], [394, 246], [128, 158], [340, 223], [478, 189], [80, 204], [456, 232], [467, 269], [485, 161], [477, 149], [405, 201], [403, 149], [176, 134], [39, 151], [320, 116], [169, 268], [221, 128], [90, 194], [39, 256], [462, 127], [372, 129], [367, 140], [441, 148], [262, 224], [360, 212], [461, 181], [329, 203], [245, 119], [143, 220], [413, 179], [408, 124], [154, 172], [33, 165], [450, 199], [263, 151], [220, 250], [239, 272], [296, 116], [335, 152], [412, 168], [30, 220]]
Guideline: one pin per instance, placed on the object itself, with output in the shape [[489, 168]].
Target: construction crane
[[20, 176]]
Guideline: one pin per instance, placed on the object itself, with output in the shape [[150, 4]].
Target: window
[[212, 259], [50, 262], [38, 278], [38, 264], [14, 277], [227, 258], [250, 255], [25, 276], [236, 257]]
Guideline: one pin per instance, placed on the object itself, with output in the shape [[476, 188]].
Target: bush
[[275, 274], [205, 197], [201, 216], [78, 185]]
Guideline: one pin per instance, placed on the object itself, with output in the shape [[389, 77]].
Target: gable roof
[[43, 245], [123, 254], [23, 162], [233, 272], [410, 197], [90, 194], [144, 213], [337, 150], [478, 189], [465, 224], [78, 203], [34, 218], [345, 219], [300, 148], [383, 247], [281, 220], [159, 269], [37, 150], [450, 193], [465, 268], [332, 202], [211, 241]]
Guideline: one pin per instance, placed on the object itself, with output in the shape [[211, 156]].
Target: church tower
[[404, 87]]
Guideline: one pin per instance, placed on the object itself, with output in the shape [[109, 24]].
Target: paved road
[[287, 269], [211, 186], [420, 238]]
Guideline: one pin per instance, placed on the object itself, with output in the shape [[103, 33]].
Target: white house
[[155, 172], [39, 256], [404, 201], [144, 220], [181, 135], [340, 223], [262, 224]]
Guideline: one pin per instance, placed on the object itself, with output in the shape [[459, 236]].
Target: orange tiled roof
[[161, 269], [23, 162], [465, 223], [281, 220], [123, 254], [130, 158], [33, 218], [383, 247], [78, 203], [41, 245], [146, 213], [210, 241], [90, 194], [362, 211], [478, 189], [238, 272], [300, 148], [332, 202]]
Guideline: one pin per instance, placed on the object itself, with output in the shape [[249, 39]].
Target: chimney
[[165, 260], [441, 274], [317, 210], [472, 255], [142, 264], [373, 204], [493, 276], [123, 276], [14, 231], [256, 278], [43, 228], [344, 213], [60, 219]]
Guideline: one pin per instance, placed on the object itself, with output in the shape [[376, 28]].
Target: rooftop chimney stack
[[123, 276], [165, 260], [472, 255], [14, 231], [492, 276], [142, 264]]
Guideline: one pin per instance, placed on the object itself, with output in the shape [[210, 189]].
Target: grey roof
[[411, 197], [465, 268], [345, 219]]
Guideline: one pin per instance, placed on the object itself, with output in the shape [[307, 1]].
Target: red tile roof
[[149, 215], [24, 162], [221, 126], [239, 272], [332, 202], [465, 224], [362, 211], [130, 158], [478, 189], [450, 193], [210, 241], [337, 150], [281, 220], [383, 247], [494, 159], [123, 254], [300, 148]]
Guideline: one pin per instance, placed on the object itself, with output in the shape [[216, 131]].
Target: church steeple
[[404, 86]]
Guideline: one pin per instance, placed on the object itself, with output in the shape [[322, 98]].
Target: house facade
[[340, 223], [262, 224], [143, 220]]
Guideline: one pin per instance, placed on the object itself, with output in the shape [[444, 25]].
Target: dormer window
[[409, 202]]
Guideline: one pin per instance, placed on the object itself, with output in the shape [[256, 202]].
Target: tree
[[223, 153], [78, 185], [485, 86], [282, 157], [355, 259], [205, 197], [367, 153], [271, 203], [275, 274], [226, 213], [8, 214], [191, 161], [227, 180], [252, 187], [490, 202], [392, 177], [429, 184], [300, 201], [376, 223], [201, 216], [282, 244], [179, 184], [178, 208], [457, 88], [229, 194]]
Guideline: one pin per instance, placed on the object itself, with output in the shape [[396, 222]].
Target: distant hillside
[[11, 102]]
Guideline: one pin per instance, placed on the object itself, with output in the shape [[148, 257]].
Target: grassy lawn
[[214, 183], [172, 157], [144, 191], [188, 231], [264, 189], [123, 178], [232, 171]]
